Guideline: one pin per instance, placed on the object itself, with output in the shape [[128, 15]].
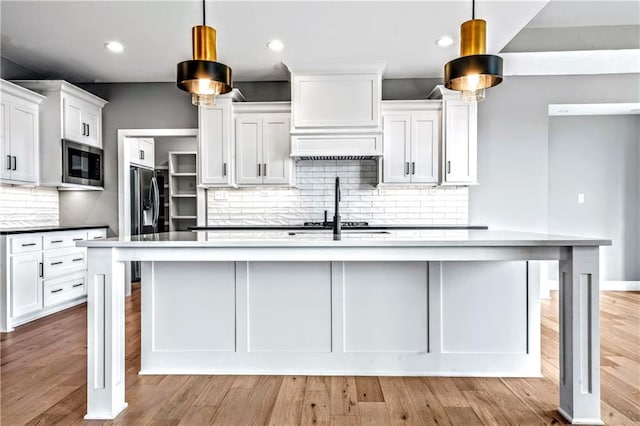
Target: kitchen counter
[[301, 227], [449, 302], [30, 230]]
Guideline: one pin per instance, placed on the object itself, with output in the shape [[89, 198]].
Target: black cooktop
[[342, 224]]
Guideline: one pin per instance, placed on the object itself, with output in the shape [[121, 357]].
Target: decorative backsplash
[[22, 206], [361, 199]]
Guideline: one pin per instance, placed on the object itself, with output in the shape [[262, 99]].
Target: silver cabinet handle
[[28, 244], [77, 259], [56, 241], [141, 154], [15, 162], [84, 129], [413, 167], [88, 130], [56, 263], [406, 168], [224, 169], [264, 169], [56, 290], [448, 167], [41, 267], [8, 162], [259, 169], [77, 285], [98, 238], [78, 239]]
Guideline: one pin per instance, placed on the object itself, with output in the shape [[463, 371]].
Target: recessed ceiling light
[[275, 45], [114, 46], [444, 41]]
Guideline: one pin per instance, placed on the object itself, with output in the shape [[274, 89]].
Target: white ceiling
[[66, 39]]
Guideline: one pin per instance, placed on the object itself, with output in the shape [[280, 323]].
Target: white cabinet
[[459, 142], [411, 147], [82, 120], [262, 149], [18, 134], [215, 138], [67, 112], [459, 139], [26, 283], [141, 152], [45, 273]]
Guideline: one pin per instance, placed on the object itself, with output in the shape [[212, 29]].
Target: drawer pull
[[56, 263], [41, 271], [28, 244], [78, 285], [78, 239], [78, 259], [98, 238], [56, 290], [56, 241]]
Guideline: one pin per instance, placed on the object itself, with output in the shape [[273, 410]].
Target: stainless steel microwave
[[82, 164]]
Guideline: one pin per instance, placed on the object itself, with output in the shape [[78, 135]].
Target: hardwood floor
[[43, 382]]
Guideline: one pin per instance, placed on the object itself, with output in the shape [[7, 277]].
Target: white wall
[[22, 206], [361, 200]]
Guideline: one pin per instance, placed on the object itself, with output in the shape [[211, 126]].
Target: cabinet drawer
[[60, 262], [61, 240], [61, 289], [96, 234], [26, 244]]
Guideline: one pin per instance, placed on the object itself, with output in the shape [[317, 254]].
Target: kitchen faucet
[[336, 215]]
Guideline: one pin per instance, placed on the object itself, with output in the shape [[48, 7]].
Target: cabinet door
[[396, 145], [26, 285], [24, 138], [91, 117], [424, 147], [249, 149], [5, 149], [213, 144], [276, 161], [460, 140], [147, 147], [73, 128]]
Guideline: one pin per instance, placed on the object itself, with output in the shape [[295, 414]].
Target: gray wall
[[9, 70], [131, 106], [513, 144], [598, 156], [164, 145]]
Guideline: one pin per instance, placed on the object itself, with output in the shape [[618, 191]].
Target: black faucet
[[336, 215]]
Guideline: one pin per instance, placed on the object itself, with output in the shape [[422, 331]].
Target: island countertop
[[350, 238]]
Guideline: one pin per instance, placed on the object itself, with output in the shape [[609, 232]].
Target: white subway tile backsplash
[[22, 207], [362, 200]]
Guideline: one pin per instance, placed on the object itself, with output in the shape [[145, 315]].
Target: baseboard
[[606, 285]]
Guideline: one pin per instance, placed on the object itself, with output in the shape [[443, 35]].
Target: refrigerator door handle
[[156, 202]]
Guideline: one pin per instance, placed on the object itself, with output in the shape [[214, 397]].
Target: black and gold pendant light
[[474, 71], [203, 77]]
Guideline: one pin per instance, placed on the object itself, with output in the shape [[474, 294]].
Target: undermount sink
[[344, 231]]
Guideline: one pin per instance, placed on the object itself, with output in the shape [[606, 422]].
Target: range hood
[[336, 111]]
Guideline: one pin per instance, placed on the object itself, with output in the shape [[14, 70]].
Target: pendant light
[[203, 77], [474, 71]]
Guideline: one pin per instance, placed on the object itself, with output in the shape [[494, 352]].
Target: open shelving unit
[[183, 190]]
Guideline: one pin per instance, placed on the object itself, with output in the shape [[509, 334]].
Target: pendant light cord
[[204, 20], [473, 9]]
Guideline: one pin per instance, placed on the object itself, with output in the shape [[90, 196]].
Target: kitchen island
[[397, 302]]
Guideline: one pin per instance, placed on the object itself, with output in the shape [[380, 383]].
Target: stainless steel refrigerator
[[146, 207]]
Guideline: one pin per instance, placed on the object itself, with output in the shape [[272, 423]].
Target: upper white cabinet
[[67, 112], [141, 152], [262, 146], [459, 138], [411, 139], [19, 134], [215, 137], [82, 120]]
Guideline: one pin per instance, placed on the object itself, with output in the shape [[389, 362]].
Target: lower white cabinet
[[26, 283], [46, 273]]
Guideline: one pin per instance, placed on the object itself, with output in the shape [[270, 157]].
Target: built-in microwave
[[82, 164]]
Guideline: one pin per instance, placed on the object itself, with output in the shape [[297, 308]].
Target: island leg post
[[580, 336], [105, 335]]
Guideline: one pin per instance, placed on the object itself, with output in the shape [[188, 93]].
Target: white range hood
[[335, 111]]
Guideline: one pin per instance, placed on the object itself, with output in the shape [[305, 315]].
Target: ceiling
[[66, 39]]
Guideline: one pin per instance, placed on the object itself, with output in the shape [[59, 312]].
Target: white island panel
[[385, 307]]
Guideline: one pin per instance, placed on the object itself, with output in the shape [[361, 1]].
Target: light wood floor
[[43, 382]]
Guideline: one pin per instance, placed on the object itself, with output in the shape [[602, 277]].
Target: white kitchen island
[[420, 302]]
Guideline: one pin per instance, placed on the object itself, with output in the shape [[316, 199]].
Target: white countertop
[[352, 238]]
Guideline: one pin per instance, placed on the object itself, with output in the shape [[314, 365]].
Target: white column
[[105, 335], [580, 336]]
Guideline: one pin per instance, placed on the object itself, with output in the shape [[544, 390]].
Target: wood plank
[[344, 398], [398, 399], [373, 414], [287, 409], [315, 407], [368, 389], [429, 407]]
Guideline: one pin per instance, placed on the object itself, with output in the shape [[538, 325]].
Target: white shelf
[[183, 174], [183, 193]]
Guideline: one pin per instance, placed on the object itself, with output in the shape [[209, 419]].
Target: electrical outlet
[[221, 195], [264, 193], [580, 198]]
